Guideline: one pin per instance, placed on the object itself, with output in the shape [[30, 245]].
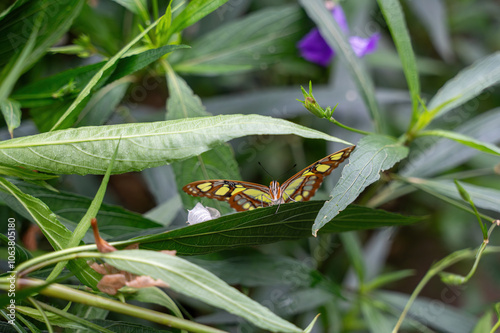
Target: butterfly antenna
[[265, 170]]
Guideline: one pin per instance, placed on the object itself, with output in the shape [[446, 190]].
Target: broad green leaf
[[217, 163], [443, 155], [191, 280], [334, 36], [18, 24], [465, 140], [103, 104], [192, 13], [69, 83], [69, 208], [373, 154], [11, 111], [251, 43], [467, 84], [34, 209], [87, 150], [100, 77], [483, 197], [394, 17], [262, 226]]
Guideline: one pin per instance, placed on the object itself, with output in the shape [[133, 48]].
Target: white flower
[[201, 214]]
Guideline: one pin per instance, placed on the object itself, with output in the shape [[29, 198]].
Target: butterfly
[[244, 196]]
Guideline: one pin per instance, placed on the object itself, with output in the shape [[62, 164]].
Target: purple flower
[[314, 48]]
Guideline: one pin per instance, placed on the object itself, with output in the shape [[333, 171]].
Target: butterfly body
[[247, 196]]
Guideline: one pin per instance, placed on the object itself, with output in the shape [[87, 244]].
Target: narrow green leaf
[[393, 14], [69, 83], [484, 323], [138, 7], [87, 150], [254, 42], [263, 226], [375, 319], [310, 327], [352, 246], [84, 224], [373, 154], [15, 68], [101, 75], [192, 13], [334, 36], [218, 163], [34, 209], [20, 253], [11, 111], [445, 155], [103, 104], [467, 84], [69, 208], [55, 22], [465, 140], [191, 280], [387, 278], [483, 197], [154, 295], [433, 15]]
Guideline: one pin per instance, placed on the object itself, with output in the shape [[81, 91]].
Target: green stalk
[[69, 294]]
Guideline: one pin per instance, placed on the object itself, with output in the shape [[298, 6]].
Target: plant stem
[[333, 120], [69, 294]]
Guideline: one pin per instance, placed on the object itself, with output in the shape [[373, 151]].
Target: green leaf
[[444, 155], [334, 36], [18, 24], [433, 15], [465, 140], [483, 197], [310, 327], [467, 84], [192, 13], [263, 226], [484, 323], [69, 83], [252, 43], [34, 209], [375, 319], [191, 280], [114, 221], [154, 295], [15, 68], [218, 163], [393, 14], [103, 104], [11, 110], [353, 249], [67, 119], [138, 7], [451, 319], [87, 150], [21, 254], [84, 223], [373, 154]]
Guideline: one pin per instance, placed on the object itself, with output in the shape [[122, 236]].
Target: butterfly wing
[[303, 185], [240, 195]]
